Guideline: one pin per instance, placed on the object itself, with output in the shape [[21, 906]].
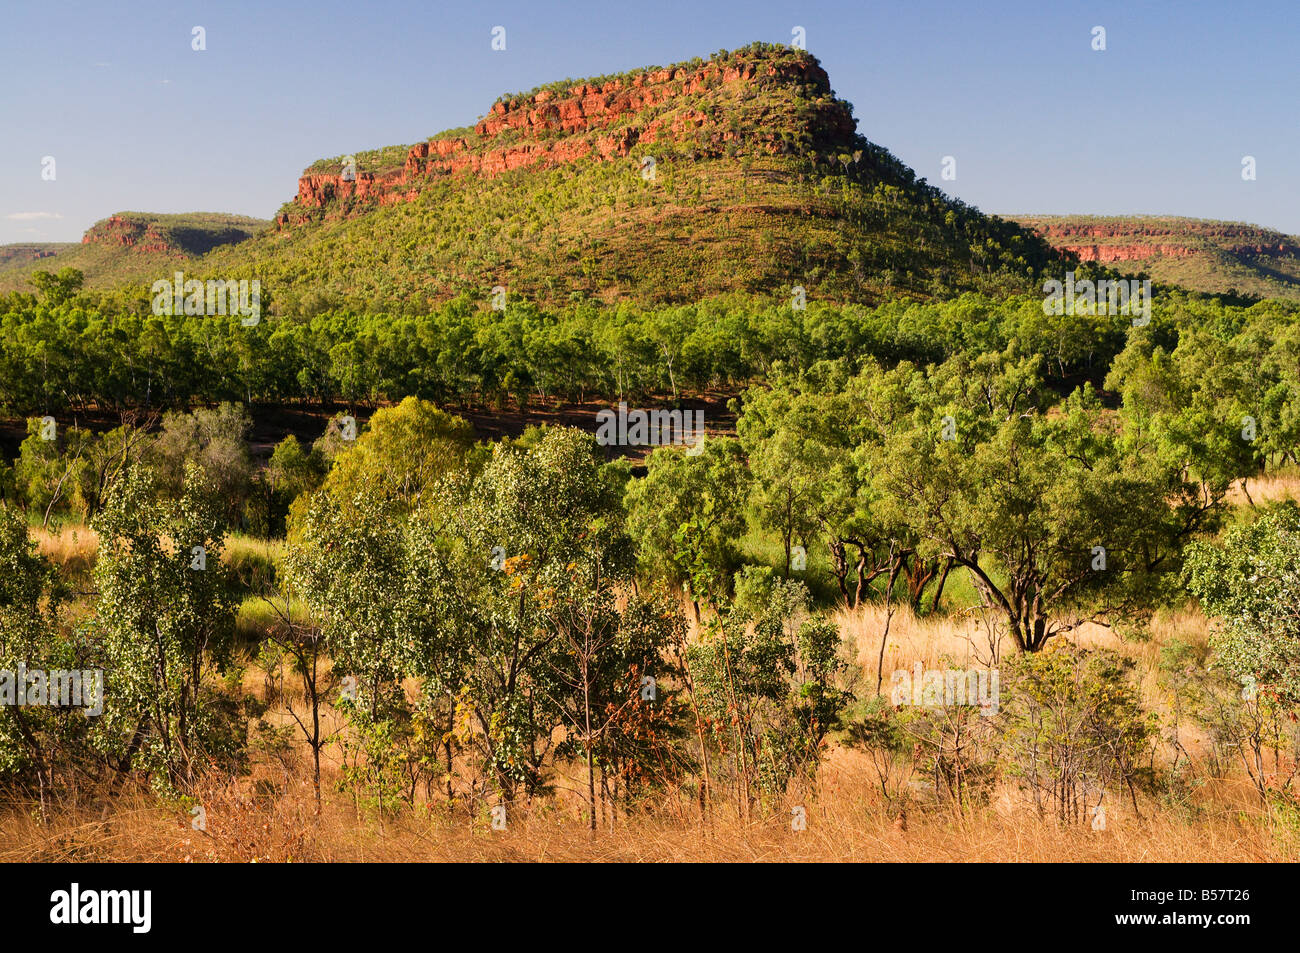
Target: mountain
[[21, 256], [1196, 253], [741, 174], [128, 246]]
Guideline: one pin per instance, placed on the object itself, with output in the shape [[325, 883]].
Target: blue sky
[[1038, 122]]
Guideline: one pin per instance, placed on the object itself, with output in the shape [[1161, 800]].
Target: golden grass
[[1274, 486], [273, 820], [72, 548], [270, 815]]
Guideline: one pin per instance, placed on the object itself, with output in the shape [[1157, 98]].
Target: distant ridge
[[1200, 254], [128, 246]]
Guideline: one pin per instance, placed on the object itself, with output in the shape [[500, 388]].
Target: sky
[[1037, 120]]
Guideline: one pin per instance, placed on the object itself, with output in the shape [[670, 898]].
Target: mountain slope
[[1196, 253]]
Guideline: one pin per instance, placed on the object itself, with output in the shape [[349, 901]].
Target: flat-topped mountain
[[740, 174], [603, 119], [190, 234]]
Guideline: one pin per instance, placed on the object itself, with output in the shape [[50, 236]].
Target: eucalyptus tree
[[687, 515], [41, 741], [165, 615], [1059, 517]]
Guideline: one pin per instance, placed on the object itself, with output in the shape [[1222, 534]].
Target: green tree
[[1249, 582], [687, 513], [214, 440], [1058, 519], [58, 288], [402, 453], [165, 615], [39, 743]]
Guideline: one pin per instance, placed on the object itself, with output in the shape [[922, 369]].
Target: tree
[[812, 447], [1250, 582], [293, 471], [49, 473], [58, 288], [165, 615], [402, 453], [1058, 519], [791, 441], [686, 514], [604, 651], [304, 643], [1075, 726], [37, 740], [1198, 409], [376, 600], [214, 440], [538, 543], [763, 680]]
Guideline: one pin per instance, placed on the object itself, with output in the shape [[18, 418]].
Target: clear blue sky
[[1038, 121]]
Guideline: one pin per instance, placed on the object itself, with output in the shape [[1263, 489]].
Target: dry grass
[[1274, 486], [72, 548], [250, 821], [270, 815]]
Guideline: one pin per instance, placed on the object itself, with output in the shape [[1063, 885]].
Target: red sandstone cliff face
[[1105, 253], [561, 128], [126, 233]]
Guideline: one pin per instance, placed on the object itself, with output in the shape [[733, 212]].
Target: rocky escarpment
[[22, 253], [683, 107], [178, 236], [1139, 239], [1203, 255], [122, 232]]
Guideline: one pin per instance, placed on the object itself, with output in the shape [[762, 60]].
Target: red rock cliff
[[552, 128], [127, 233]]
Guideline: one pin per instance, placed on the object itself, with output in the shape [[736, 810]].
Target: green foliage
[[401, 454], [1250, 583], [165, 618], [41, 747], [687, 513], [57, 288], [1057, 517], [119, 356], [216, 441]]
